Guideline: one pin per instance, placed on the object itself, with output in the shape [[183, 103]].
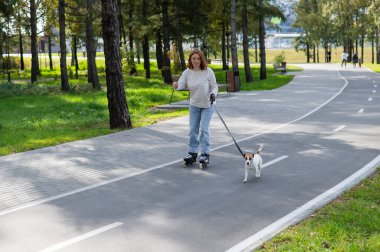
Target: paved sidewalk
[[39, 174]]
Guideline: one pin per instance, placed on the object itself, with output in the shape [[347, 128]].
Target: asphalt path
[[171, 208]]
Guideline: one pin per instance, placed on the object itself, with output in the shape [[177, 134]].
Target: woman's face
[[196, 61]]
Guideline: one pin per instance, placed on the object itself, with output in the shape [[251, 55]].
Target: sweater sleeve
[[212, 82], [182, 82]]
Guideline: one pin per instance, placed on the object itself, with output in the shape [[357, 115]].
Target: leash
[[225, 125]]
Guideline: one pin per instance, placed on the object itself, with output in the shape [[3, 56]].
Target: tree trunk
[[256, 59], [62, 43], [373, 50], [75, 56], [235, 62], [307, 52], [72, 51], [159, 53], [8, 56], [356, 45], [166, 72], [146, 56], [50, 56], [1, 48], [117, 102], [377, 47], [196, 23], [131, 39], [121, 25], [181, 53], [204, 47], [33, 38], [22, 65], [247, 66], [179, 38], [318, 53], [263, 68], [224, 59], [146, 42], [92, 71], [138, 51], [362, 47], [228, 47], [224, 42]]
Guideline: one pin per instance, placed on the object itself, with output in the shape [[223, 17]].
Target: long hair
[[203, 64]]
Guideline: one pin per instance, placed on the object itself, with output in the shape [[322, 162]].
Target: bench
[[280, 66], [220, 85]]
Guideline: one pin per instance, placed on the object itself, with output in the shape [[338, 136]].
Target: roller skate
[[204, 161], [190, 159]]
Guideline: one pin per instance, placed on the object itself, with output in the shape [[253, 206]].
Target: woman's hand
[[175, 85], [212, 98]]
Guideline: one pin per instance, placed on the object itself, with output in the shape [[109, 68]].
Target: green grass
[[350, 223], [374, 67], [39, 115]]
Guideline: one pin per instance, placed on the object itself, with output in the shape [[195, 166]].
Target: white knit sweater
[[201, 84]]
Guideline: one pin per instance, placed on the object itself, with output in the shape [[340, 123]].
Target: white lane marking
[[360, 111], [370, 99], [375, 85], [38, 202], [82, 237], [373, 81], [304, 211], [373, 91], [296, 120], [274, 161], [339, 128], [106, 182]]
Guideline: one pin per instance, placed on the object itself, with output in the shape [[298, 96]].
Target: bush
[[128, 62], [279, 58], [14, 62]]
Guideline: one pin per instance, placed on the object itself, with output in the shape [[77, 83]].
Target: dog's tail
[[260, 149]]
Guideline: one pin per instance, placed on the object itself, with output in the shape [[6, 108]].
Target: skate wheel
[[203, 166], [186, 164]]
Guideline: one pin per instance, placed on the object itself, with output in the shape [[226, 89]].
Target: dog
[[253, 161]]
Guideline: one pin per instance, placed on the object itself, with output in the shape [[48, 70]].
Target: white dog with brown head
[[253, 161]]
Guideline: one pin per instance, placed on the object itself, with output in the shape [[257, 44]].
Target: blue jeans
[[199, 134]]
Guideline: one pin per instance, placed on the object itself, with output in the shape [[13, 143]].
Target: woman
[[201, 82]]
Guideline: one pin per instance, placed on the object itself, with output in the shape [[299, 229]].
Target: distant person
[[360, 61], [344, 57], [329, 56], [354, 59]]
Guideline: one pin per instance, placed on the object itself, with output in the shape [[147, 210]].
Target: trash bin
[[233, 80]]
